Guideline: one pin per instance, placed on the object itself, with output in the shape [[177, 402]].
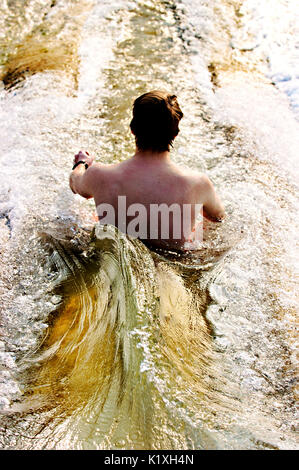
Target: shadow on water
[[127, 360], [49, 46], [39, 56]]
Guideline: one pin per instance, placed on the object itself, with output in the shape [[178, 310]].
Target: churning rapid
[[104, 343]]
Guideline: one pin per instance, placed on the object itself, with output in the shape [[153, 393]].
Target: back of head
[[155, 123]]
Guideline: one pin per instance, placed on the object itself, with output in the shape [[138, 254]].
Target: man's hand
[[83, 156]]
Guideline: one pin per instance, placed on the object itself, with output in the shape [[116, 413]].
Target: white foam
[[269, 29], [276, 29], [31, 114], [39, 133]]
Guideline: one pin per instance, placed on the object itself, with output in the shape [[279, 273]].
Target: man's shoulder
[[98, 169], [96, 175], [194, 176]]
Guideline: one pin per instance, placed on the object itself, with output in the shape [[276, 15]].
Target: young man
[[148, 195]]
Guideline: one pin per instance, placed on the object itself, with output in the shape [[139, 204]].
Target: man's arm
[[82, 179], [79, 182], [212, 206]]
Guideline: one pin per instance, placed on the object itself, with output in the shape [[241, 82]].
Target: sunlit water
[[106, 344]]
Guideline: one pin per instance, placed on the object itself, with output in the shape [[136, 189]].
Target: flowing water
[[105, 344]]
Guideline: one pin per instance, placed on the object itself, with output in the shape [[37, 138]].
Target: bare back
[[151, 180]]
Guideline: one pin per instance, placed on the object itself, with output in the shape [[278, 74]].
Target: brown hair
[[155, 123]]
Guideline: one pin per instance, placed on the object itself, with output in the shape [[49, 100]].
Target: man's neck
[[151, 155]]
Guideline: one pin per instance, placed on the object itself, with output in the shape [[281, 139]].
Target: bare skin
[[147, 178]]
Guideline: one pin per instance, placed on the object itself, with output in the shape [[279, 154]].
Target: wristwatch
[[79, 163]]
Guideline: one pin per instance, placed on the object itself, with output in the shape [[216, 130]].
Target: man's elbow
[[85, 195], [76, 189], [213, 209], [72, 185], [215, 216], [220, 215]]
